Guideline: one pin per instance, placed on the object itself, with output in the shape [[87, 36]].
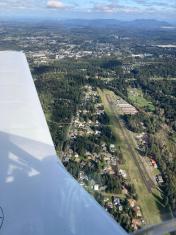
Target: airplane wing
[[37, 195]]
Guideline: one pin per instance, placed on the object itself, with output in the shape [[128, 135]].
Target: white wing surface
[[37, 195]]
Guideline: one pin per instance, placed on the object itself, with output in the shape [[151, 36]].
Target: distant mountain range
[[141, 23], [101, 23]]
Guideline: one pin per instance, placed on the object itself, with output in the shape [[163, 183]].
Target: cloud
[[113, 8], [55, 4], [156, 3], [22, 4], [140, 7], [105, 8], [160, 8]]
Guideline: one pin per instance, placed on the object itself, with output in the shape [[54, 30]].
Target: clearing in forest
[[149, 196]]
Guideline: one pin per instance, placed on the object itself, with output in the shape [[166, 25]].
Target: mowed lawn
[[150, 203], [137, 98]]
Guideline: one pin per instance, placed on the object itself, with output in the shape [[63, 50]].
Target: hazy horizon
[[94, 9]]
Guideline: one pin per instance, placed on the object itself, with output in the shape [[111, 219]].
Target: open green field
[[137, 98], [150, 203]]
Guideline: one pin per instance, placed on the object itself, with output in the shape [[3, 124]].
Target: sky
[[116, 9]]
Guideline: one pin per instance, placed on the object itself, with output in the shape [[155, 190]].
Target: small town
[[107, 90], [105, 160]]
